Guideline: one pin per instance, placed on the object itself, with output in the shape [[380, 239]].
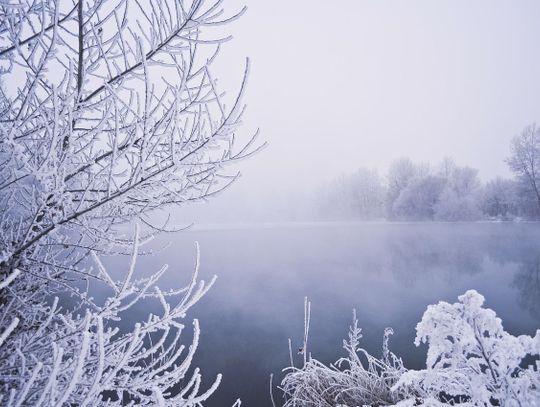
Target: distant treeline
[[444, 191]]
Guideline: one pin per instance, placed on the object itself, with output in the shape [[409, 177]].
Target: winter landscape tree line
[[443, 192]]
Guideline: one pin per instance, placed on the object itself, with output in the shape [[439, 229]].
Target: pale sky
[[348, 83]]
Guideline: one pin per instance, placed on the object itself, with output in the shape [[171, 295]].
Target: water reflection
[[388, 272], [527, 281], [424, 254]]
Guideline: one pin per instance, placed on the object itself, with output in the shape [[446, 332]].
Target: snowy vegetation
[[357, 379], [471, 361], [108, 112], [443, 192]]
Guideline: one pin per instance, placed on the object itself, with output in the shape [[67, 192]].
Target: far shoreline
[[258, 225]]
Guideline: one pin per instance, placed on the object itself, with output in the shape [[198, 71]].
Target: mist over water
[[389, 272]]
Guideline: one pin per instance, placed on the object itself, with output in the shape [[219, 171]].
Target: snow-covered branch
[[71, 357], [108, 111]]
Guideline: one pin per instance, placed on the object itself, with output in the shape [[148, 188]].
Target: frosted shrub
[[355, 380], [472, 360]]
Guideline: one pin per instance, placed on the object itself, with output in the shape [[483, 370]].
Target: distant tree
[[524, 159], [401, 172], [367, 193], [359, 195], [452, 207], [500, 198], [108, 111], [460, 198], [418, 192], [464, 181], [446, 167], [527, 202], [417, 201]]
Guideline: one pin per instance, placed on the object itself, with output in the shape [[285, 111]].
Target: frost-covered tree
[[359, 195], [401, 172], [367, 193], [500, 198], [417, 201], [460, 197], [416, 192], [108, 112], [524, 160]]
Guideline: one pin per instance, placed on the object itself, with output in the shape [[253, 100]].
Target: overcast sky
[[348, 83]]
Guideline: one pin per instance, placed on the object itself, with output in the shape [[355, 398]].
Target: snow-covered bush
[[355, 380], [472, 359]]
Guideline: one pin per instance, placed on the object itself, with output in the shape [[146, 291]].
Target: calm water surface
[[388, 272]]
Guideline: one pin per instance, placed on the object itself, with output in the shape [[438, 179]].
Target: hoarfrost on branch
[[108, 112]]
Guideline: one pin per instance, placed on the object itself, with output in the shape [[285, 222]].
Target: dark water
[[388, 272]]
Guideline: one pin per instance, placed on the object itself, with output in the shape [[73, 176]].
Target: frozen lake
[[389, 272]]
